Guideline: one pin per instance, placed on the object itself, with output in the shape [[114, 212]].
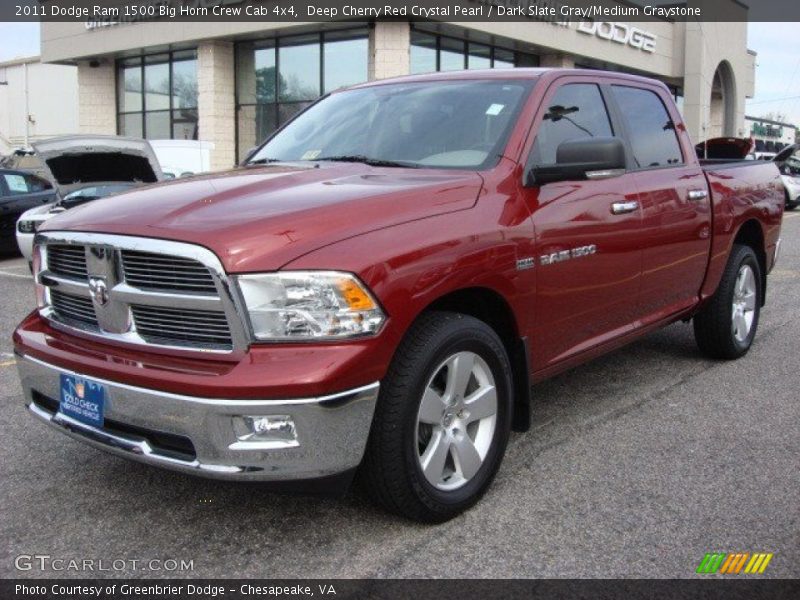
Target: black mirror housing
[[574, 158]]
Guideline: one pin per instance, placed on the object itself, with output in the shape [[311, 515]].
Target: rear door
[[588, 255], [674, 198]]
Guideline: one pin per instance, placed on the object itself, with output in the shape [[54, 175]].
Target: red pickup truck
[[381, 283]]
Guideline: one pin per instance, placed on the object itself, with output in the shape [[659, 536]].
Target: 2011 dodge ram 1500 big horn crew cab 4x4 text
[[377, 288]]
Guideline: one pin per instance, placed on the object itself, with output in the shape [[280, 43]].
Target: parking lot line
[[14, 275], [6, 359]]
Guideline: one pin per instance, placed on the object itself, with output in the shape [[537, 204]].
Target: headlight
[[28, 226], [302, 305]]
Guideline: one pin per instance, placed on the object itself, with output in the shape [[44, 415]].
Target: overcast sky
[[777, 71]]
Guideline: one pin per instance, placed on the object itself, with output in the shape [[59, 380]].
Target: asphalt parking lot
[[636, 466]]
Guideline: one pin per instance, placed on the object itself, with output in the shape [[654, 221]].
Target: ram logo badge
[[557, 257], [526, 263]]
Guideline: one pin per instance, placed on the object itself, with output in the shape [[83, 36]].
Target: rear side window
[[35, 184], [650, 128], [16, 184], [575, 111]]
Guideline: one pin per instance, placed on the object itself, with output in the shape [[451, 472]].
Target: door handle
[[697, 195], [620, 208]]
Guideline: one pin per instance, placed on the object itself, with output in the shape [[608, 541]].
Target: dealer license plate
[[82, 400]]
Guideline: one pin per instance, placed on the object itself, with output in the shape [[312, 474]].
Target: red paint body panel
[[416, 235]]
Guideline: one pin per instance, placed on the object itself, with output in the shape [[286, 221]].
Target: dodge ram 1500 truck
[[375, 291]]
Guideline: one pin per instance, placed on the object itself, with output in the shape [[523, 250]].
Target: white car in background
[[788, 161], [86, 168]]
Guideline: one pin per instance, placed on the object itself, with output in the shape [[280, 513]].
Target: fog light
[[265, 432]]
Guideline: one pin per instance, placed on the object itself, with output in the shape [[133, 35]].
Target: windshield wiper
[[372, 162], [263, 161]]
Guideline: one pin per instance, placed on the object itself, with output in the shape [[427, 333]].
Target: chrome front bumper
[[331, 431]]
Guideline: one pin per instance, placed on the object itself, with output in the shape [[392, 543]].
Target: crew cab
[[376, 290]]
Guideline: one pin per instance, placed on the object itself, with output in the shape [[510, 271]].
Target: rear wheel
[[442, 421], [726, 326]]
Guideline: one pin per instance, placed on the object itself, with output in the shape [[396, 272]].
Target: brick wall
[[389, 49], [97, 99], [216, 101]]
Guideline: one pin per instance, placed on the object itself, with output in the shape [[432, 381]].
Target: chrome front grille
[[74, 308], [69, 261], [160, 325], [150, 271], [140, 291]]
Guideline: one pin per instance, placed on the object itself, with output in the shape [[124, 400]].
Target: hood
[[75, 161], [784, 155], [260, 218]]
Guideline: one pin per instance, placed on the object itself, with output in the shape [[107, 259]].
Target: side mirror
[[585, 158]]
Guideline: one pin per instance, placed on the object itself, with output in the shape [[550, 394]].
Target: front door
[[588, 246]]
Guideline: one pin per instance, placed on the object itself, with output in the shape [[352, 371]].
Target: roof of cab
[[505, 74]]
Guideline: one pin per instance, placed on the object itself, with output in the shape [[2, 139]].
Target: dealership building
[[233, 83]]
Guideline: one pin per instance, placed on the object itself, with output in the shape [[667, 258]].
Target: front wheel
[[442, 420], [726, 326]]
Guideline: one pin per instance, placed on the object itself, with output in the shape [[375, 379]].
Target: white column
[[217, 101], [97, 98], [557, 61], [389, 49]]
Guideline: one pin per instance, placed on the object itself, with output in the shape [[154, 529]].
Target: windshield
[[440, 124], [94, 192]]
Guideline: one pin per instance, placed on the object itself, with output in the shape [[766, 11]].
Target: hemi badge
[[525, 263]]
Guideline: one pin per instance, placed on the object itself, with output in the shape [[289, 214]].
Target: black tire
[[713, 325], [391, 471]]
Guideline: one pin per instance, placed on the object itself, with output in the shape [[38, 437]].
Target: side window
[[15, 184], [577, 110], [37, 184], [651, 130]]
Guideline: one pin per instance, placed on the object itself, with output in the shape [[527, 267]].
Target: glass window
[[650, 128], [131, 124], [431, 52], [423, 52], [157, 125], [299, 69], [156, 87], [130, 89], [575, 111], [503, 59], [184, 124], [16, 184], [453, 124], [451, 54], [157, 96], [479, 57], [345, 62], [308, 65], [184, 84], [37, 184]]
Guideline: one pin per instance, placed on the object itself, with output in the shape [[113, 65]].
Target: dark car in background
[[19, 192]]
